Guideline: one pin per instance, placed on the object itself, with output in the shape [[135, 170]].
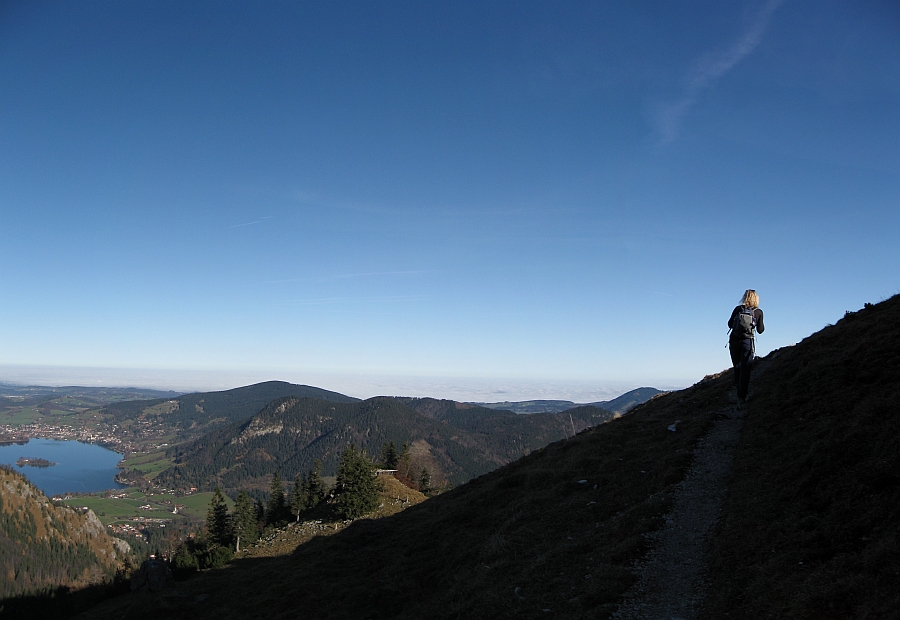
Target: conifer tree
[[315, 488], [218, 521], [356, 487], [299, 497], [245, 521], [425, 481], [260, 509], [389, 457], [404, 466], [275, 508]]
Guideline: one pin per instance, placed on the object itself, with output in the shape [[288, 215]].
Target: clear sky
[[527, 199]]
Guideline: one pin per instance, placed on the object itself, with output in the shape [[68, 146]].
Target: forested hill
[[456, 442], [44, 546], [199, 411]]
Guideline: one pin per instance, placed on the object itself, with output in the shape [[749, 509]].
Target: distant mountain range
[[455, 441], [238, 438], [193, 414], [619, 405]]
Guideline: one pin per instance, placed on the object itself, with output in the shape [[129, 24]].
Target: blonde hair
[[751, 299]]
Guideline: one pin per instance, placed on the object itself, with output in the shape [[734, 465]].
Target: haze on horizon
[[524, 199]]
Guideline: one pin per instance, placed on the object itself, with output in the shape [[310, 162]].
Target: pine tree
[[425, 481], [356, 487], [404, 466], [245, 521], [299, 497], [218, 521], [315, 488], [275, 508], [389, 457], [260, 509]]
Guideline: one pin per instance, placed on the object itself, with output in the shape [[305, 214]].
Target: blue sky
[[456, 199]]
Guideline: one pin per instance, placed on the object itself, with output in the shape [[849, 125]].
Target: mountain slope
[[44, 546], [812, 524], [455, 441]]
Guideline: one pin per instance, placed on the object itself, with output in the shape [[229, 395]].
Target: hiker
[[746, 319]]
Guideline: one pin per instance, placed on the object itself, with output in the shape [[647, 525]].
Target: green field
[[161, 409], [17, 416], [150, 462], [73, 405], [112, 510]]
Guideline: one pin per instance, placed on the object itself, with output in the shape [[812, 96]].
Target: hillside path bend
[[672, 579]]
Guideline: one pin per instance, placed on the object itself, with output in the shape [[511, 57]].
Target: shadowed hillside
[[809, 528], [812, 525]]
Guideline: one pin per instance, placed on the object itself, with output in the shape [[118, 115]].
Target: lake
[[81, 467]]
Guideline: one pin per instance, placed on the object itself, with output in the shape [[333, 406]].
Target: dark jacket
[[760, 327]]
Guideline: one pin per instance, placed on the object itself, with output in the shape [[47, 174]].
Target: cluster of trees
[[355, 493], [402, 463], [251, 517]]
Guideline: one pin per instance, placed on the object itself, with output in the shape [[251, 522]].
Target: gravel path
[[672, 576]]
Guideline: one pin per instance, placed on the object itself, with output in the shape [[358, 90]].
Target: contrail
[[344, 276], [342, 300], [259, 221], [710, 68]]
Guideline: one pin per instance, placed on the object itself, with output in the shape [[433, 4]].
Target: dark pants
[[741, 355]]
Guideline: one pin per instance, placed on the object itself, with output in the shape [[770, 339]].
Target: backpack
[[744, 324]]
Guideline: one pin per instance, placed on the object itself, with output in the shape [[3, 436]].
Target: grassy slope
[[823, 490], [811, 527]]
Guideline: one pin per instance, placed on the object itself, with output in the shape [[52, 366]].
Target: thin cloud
[[711, 67], [259, 221], [346, 276], [346, 300]]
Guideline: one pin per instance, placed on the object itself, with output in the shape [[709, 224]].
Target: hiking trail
[[672, 579]]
